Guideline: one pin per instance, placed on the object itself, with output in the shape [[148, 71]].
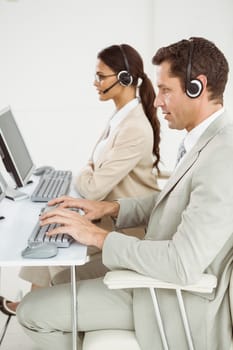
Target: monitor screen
[[13, 150]]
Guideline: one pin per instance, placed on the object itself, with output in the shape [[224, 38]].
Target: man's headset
[[124, 77], [193, 87]]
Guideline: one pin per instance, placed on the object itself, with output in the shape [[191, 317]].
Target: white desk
[[20, 218]]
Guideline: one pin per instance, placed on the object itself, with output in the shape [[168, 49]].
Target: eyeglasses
[[100, 77]]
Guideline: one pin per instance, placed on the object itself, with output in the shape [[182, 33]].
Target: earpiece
[[193, 87], [124, 77]]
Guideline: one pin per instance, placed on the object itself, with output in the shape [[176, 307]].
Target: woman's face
[[106, 82]]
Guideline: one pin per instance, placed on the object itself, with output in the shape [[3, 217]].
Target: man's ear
[[203, 80]]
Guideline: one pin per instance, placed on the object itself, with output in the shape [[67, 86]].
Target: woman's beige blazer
[[125, 167]]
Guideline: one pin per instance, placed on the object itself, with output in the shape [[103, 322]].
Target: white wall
[[48, 56], [47, 61]]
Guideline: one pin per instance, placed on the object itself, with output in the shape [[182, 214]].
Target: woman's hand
[[74, 224]]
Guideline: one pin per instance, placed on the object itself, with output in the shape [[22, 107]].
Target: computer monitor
[[2, 188], [13, 150]]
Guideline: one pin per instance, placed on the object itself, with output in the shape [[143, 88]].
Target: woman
[[122, 161], [124, 158]]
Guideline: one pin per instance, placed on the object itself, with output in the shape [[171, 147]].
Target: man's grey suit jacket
[[190, 231]]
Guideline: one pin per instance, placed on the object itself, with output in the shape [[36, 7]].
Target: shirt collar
[[191, 138]]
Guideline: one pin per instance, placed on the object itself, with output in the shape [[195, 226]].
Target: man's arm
[[80, 227], [135, 212]]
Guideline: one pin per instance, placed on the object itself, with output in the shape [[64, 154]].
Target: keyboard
[[39, 235], [52, 184]]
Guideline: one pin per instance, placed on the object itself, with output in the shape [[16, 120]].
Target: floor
[[15, 337]]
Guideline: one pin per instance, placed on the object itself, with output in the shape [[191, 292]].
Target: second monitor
[[13, 150]]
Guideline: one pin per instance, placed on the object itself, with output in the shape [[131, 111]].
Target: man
[[189, 224]]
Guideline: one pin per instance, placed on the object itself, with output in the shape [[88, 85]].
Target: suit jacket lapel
[[192, 156]]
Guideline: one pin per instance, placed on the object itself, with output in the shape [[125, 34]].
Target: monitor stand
[[15, 195]]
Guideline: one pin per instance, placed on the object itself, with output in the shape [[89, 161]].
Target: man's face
[[178, 109]]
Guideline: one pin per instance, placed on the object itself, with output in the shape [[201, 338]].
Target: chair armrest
[[121, 279]]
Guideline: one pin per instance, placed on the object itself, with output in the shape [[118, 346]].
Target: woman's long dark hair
[[112, 56]]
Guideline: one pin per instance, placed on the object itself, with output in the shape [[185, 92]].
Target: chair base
[[110, 339]]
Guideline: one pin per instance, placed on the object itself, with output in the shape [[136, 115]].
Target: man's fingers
[[58, 212]]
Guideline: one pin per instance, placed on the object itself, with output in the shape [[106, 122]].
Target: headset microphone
[[110, 87]]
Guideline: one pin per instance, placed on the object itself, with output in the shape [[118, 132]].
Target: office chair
[[126, 340]]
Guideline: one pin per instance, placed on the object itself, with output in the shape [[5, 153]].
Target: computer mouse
[[38, 250], [42, 169]]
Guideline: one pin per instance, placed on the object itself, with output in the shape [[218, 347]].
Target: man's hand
[[78, 226], [93, 210]]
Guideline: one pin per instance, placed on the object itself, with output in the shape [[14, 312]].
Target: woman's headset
[[124, 77]]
